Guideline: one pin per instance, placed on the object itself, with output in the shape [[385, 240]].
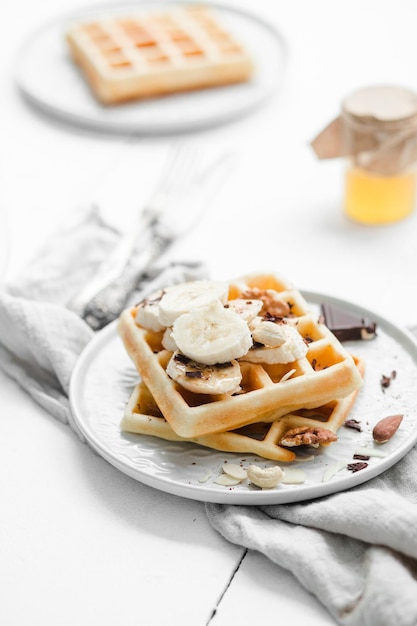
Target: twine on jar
[[377, 129]]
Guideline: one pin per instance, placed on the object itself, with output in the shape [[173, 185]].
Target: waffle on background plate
[[152, 53], [325, 378]]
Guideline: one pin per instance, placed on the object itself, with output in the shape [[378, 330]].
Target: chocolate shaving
[[356, 467], [256, 345], [361, 457], [386, 380], [181, 358], [355, 424], [194, 374]]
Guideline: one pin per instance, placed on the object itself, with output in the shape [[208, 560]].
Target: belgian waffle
[[143, 416], [327, 372], [152, 53]]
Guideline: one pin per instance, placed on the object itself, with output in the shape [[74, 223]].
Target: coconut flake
[[293, 476], [332, 470]]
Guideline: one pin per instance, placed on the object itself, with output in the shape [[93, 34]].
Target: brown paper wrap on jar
[[377, 129], [377, 132]]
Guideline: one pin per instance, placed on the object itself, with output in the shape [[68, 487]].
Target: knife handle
[[106, 305]]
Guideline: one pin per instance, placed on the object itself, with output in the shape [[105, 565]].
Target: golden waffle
[[142, 416], [152, 53], [326, 373]]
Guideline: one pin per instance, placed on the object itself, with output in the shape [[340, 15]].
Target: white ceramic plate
[[49, 79], [104, 378]]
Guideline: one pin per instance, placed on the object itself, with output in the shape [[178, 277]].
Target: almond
[[386, 428]]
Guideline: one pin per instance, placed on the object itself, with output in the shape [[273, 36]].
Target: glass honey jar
[[377, 134]]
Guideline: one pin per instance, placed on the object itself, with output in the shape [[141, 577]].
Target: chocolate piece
[[357, 467], [352, 423], [347, 326], [386, 380]]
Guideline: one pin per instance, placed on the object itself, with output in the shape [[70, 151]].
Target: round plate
[[48, 78], [104, 378]]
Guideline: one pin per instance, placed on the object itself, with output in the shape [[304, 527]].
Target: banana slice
[[292, 349], [247, 309], [200, 378], [185, 297], [212, 334], [147, 314], [168, 340], [269, 334]]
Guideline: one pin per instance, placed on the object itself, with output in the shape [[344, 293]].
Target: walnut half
[[307, 436]]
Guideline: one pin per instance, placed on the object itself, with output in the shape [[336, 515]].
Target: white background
[[80, 542]]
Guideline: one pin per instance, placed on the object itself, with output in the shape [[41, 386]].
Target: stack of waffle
[[151, 53], [243, 366]]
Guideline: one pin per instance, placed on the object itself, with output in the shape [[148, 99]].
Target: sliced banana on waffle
[[208, 334], [269, 333], [247, 309], [216, 379], [147, 312], [212, 334], [168, 340], [186, 297], [289, 344]]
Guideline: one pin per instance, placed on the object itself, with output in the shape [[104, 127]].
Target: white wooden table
[[82, 543]]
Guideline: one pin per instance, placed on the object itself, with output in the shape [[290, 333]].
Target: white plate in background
[[49, 79]]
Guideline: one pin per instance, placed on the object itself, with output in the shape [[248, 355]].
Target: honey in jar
[[377, 133], [376, 199]]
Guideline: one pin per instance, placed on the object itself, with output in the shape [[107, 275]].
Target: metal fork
[[185, 186]]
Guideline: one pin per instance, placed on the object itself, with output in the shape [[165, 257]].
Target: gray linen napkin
[[356, 551], [41, 339]]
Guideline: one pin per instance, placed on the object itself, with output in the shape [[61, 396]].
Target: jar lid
[[381, 103]]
